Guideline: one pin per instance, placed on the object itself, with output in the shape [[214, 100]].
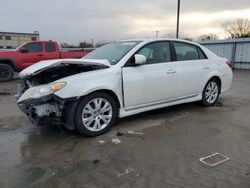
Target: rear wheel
[[95, 114], [211, 93], [6, 72]]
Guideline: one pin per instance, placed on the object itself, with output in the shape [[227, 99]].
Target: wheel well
[[218, 80], [8, 62], [111, 93]]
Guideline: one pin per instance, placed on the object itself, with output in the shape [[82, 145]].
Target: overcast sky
[[73, 21]]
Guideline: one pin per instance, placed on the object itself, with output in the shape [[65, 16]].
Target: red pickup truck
[[30, 53]]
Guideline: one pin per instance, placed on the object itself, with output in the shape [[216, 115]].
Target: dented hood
[[44, 65]]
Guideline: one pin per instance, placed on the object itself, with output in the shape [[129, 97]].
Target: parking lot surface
[[160, 148]]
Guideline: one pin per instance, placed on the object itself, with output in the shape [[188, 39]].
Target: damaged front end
[[50, 110], [43, 110], [36, 94]]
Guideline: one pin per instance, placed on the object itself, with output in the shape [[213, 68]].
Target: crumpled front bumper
[[50, 109]]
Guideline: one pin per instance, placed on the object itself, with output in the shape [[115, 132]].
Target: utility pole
[[156, 34], [178, 17]]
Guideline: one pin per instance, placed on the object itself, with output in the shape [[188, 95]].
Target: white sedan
[[121, 79]]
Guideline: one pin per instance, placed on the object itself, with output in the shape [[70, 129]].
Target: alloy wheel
[[97, 114], [211, 92]]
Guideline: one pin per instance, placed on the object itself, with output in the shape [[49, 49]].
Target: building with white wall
[[11, 40]]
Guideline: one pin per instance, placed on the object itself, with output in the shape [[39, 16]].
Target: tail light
[[229, 63]]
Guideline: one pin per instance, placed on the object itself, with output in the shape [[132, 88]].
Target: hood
[[44, 65], [7, 53]]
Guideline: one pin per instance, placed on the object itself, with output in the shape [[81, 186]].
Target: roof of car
[[157, 39]]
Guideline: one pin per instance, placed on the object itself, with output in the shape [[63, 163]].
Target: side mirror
[[140, 59], [24, 50]]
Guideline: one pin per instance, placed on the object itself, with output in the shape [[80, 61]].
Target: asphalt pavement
[[160, 148]]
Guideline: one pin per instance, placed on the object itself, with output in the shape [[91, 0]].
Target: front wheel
[[211, 93], [6, 72], [95, 114]]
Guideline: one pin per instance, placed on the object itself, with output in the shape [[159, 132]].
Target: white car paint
[[145, 87], [145, 84]]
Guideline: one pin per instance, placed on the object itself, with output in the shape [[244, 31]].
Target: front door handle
[[171, 71], [40, 55]]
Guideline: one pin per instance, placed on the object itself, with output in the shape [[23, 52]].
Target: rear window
[[50, 47], [202, 54]]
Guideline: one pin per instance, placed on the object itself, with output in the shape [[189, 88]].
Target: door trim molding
[[159, 102]]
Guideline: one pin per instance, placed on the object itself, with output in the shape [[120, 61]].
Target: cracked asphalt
[[165, 155]]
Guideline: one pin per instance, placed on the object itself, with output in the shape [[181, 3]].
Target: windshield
[[113, 52]]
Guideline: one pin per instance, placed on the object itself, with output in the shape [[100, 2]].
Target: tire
[[95, 114], [6, 72], [211, 92]]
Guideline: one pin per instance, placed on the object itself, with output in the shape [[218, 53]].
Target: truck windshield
[[113, 52]]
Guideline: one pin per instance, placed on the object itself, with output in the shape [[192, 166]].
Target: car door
[[150, 83], [51, 51], [192, 68], [30, 54]]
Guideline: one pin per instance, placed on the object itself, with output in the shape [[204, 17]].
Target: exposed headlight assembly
[[43, 90], [47, 89]]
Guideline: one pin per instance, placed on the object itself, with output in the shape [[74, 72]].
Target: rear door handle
[[40, 55], [206, 67], [171, 71]]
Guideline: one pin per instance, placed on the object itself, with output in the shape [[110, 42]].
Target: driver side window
[[158, 52], [34, 47]]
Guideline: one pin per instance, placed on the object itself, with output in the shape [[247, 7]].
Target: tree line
[[239, 28]]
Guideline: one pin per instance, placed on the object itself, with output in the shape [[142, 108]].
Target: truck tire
[[6, 72]]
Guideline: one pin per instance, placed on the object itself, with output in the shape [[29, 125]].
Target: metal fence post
[[233, 53]]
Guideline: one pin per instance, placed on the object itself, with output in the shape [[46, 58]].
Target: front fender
[[10, 62], [76, 88]]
